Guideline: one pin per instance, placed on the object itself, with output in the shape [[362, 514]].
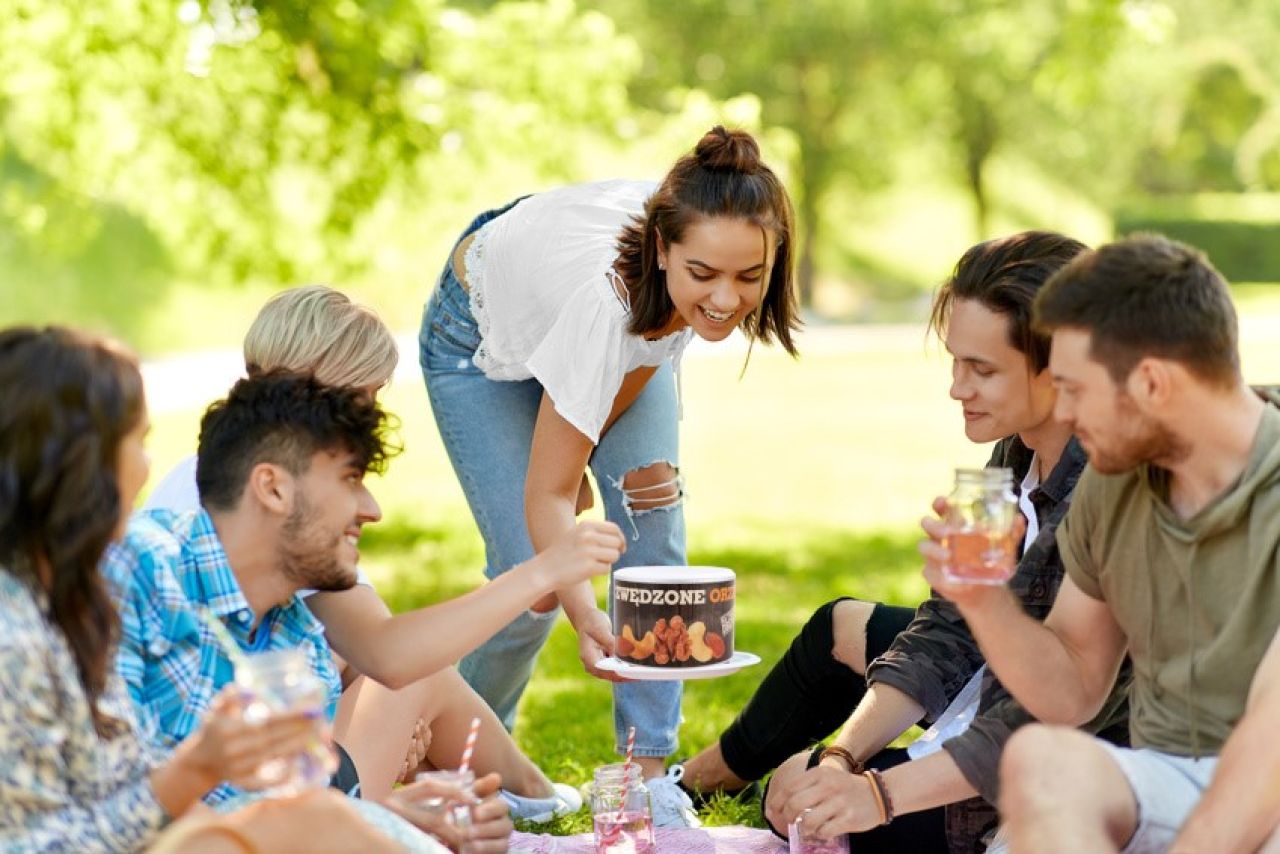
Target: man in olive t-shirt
[[1170, 549]]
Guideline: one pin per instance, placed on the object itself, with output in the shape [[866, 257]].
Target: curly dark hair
[[67, 400], [285, 419], [723, 177]]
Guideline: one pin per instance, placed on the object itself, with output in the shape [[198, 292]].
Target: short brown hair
[[1147, 296]]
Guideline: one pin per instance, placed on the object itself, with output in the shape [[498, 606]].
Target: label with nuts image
[[673, 616]]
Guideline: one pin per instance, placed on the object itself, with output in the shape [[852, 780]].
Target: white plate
[[645, 673]]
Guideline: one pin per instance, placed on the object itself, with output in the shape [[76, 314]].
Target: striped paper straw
[[626, 769], [470, 745]]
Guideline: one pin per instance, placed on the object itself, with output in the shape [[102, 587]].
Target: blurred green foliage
[[153, 151], [1240, 234]]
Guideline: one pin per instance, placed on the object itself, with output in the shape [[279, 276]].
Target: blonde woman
[[403, 704]]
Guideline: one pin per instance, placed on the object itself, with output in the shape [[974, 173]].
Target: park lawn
[[806, 477]]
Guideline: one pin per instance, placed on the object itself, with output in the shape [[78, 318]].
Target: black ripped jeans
[[805, 697]]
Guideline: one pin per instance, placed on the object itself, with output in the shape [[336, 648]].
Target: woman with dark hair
[[879, 669], [553, 342], [72, 773]]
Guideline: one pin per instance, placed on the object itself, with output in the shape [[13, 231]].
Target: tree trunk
[[808, 226], [975, 167], [979, 132]]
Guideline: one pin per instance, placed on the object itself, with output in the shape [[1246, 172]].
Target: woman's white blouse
[[540, 291]]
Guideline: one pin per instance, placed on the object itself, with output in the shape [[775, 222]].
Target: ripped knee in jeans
[[657, 486]]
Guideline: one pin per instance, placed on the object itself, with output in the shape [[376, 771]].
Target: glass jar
[[279, 682], [621, 811], [979, 527], [449, 793], [798, 842]]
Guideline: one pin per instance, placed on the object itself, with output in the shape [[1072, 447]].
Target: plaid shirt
[[170, 566]]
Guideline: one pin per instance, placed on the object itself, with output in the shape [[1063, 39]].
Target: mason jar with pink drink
[[981, 510]]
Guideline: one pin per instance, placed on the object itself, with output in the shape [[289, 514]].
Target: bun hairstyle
[[723, 177], [67, 400], [721, 150]]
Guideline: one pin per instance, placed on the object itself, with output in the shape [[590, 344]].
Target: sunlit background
[[165, 165]]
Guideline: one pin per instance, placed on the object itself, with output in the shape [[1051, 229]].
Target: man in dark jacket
[[879, 669]]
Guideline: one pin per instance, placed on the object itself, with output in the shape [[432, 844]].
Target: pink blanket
[[713, 840]]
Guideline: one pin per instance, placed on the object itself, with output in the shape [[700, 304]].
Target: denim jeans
[[487, 429]]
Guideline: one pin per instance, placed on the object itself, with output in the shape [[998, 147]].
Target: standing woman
[[553, 342]]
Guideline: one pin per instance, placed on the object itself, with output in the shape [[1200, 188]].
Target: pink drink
[[979, 557], [799, 843], [625, 833]]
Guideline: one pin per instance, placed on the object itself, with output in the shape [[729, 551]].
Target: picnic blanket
[[706, 840]]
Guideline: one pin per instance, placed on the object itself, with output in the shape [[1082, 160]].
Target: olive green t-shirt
[[1198, 599]]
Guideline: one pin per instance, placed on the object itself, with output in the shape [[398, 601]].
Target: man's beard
[[306, 559], [1146, 441]]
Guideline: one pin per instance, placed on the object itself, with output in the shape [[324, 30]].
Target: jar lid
[[994, 475], [614, 773], [675, 574]]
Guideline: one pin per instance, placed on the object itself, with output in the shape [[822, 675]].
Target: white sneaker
[[565, 800], [671, 806]]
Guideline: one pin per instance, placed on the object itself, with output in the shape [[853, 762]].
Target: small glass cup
[[453, 793], [979, 527], [621, 812], [279, 682], [798, 842]]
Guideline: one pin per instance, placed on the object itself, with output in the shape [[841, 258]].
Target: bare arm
[[1239, 810], [1062, 670], [883, 714], [834, 802], [391, 649], [557, 460]]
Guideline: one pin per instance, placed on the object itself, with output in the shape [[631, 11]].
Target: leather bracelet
[[881, 793], [855, 767]]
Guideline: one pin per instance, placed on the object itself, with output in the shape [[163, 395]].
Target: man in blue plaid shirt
[[283, 509]]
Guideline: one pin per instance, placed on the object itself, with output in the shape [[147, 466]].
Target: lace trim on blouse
[[474, 260]]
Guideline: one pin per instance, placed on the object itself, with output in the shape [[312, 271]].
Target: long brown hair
[[723, 177], [67, 400]]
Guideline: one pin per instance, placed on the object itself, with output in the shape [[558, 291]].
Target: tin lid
[[675, 575]]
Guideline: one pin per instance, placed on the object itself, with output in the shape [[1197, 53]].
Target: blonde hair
[[319, 331]]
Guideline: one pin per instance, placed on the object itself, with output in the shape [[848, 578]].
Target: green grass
[[807, 478]]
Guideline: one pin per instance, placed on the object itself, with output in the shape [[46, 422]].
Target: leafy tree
[[826, 70], [308, 151]]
